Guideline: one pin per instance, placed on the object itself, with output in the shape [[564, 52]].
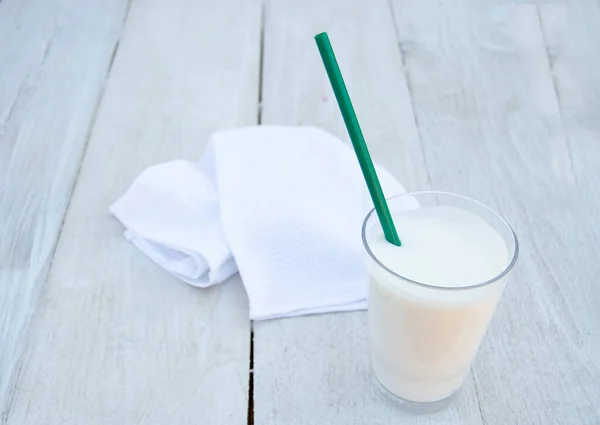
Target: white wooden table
[[497, 102]]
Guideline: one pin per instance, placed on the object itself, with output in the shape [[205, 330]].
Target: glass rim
[[504, 272]]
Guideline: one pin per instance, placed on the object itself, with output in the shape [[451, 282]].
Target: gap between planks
[[259, 121], [409, 89], [556, 91]]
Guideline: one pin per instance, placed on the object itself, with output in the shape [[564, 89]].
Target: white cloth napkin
[[283, 205]]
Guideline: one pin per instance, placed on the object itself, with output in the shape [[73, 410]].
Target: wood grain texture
[[571, 34], [491, 128], [315, 369], [47, 105], [116, 340]]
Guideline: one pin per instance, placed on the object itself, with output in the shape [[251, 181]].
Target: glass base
[[414, 406]]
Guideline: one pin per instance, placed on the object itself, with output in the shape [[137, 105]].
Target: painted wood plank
[[315, 369], [116, 340], [571, 32], [491, 128], [47, 104]]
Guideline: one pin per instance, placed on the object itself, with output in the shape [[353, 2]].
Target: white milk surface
[[422, 339]]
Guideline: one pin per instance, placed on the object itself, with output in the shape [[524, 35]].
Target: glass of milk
[[431, 299]]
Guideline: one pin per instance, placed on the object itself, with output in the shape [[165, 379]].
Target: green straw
[[358, 140]]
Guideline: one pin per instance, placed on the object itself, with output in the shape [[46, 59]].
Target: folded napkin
[[283, 205]]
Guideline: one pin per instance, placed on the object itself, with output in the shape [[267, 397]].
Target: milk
[[423, 339]]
